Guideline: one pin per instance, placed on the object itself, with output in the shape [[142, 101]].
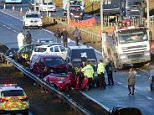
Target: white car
[[51, 7], [55, 49], [32, 19]]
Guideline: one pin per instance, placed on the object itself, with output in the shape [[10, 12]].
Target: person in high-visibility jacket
[[100, 72], [20, 39], [88, 71]]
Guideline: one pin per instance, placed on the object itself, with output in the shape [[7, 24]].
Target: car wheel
[[40, 28]]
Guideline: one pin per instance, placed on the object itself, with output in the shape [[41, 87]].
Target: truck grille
[[135, 56], [139, 48]]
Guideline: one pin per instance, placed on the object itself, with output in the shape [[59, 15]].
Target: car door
[[63, 52], [56, 50]]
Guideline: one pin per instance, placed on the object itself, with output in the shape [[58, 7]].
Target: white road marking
[[119, 83], [149, 98], [15, 31], [100, 104], [8, 27]]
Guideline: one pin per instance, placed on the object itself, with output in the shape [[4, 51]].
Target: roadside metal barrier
[[59, 94]]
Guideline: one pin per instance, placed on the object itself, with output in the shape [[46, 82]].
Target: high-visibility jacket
[[20, 39], [88, 71], [100, 68]]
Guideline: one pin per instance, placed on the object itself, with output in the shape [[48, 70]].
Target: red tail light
[[25, 99], [3, 100]]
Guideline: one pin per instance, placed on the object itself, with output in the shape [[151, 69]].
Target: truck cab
[[129, 46]]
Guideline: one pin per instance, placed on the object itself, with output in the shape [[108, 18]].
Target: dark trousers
[[90, 82], [65, 44], [77, 41], [110, 78], [131, 89], [101, 80], [58, 39]]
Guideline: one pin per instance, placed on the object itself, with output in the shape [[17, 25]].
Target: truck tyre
[[117, 64]]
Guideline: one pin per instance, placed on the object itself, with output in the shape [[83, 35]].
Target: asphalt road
[[112, 96]]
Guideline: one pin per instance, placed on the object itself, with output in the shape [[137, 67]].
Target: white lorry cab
[[127, 46]]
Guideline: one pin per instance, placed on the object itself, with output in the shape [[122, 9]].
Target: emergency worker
[[100, 72], [109, 70], [88, 71], [28, 38], [20, 39]]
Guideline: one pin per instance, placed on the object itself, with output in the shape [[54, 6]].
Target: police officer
[[100, 72], [88, 71], [109, 70]]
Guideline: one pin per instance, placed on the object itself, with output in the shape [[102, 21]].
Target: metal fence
[[93, 36]]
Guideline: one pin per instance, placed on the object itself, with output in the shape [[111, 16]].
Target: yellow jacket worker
[[88, 71]]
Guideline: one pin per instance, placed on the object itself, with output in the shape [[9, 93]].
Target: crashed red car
[[61, 82], [44, 64]]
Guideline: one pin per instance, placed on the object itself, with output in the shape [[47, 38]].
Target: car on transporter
[[47, 7], [13, 99], [32, 19]]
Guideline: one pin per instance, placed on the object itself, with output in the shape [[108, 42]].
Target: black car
[[25, 52], [125, 111], [76, 54]]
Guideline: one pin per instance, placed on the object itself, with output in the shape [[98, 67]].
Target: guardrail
[[61, 95]]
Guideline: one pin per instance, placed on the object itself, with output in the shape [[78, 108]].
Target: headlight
[[123, 57], [62, 81], [71, 13], [146, 53]]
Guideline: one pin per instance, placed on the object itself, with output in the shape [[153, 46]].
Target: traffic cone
[[4, 7], [21, 10], [12, 8]]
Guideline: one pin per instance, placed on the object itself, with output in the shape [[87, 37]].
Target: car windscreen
[[32, 16], [13, 93], [50, 3], [51, 62], [80, 53], [132, 36], [75, 9], [77, 62], [40, 49]]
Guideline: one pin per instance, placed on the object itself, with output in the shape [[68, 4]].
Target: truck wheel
[[118, 65]]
